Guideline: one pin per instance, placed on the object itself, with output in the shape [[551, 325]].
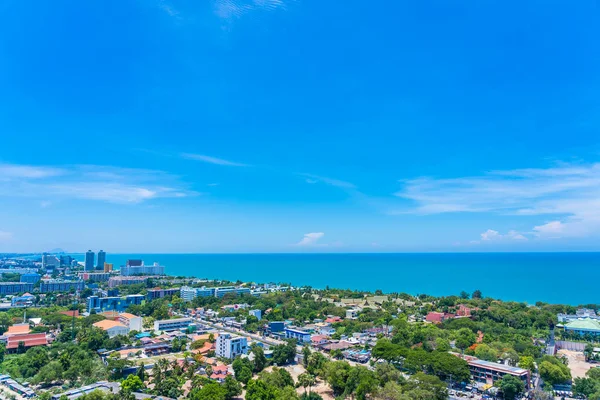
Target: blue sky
[[284, 126]]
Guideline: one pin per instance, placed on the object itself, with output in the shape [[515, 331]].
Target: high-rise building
[[89, 261], [66, 261], [230, 346], [101, 260], [50, 261]]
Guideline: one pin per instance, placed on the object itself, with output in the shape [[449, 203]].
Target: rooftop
[[108, 324], [585, 324]]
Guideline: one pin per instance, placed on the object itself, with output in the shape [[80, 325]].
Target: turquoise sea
[[570, 278]]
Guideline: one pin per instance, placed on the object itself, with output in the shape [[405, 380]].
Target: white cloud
[[310, 239], [92, 182], [571, 193], [490, 234], [212, 160], [4, 236], [550, 228], [494, 236]]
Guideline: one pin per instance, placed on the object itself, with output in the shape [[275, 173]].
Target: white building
[[154, 269], [133, 322], [189, 293], [256, 313], [113, 328], [230, 346], [172, 324]]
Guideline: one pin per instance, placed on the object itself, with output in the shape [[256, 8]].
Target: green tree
[[5, 322], [477, 294], [260, 361], [242, 368], [210, 391], [132, 383], [527, 362], [336, 374], [485, 352], [585, 387], [554, 372], [464, 338], [306, 380], [232, 387], [511, 386], [305, 355], [259, 390]]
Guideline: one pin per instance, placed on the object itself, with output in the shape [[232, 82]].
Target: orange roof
[[70, 313], [127, 315], [35, 339], [110, 314], [107, 324], [19, 329]]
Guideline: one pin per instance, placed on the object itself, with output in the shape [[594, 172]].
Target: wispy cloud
[[570, 193], [312, 179], [494, 236], [310, 239], [212, 160], [5, 236], [168, 8], [233, 9], [13, 171], [91, 182]]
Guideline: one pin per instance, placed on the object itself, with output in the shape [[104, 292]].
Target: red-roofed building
[[464, 311], [220, 372], [70, 313], [331, 320], [318, 340], [29, 340], [438, 317]]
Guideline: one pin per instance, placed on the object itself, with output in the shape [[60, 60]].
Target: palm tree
[[306, 380]]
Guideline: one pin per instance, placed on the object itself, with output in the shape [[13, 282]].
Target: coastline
[[522, 277]]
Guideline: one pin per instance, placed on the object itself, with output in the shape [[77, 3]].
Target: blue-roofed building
[[31, 278], [276, 326], [25, 300]]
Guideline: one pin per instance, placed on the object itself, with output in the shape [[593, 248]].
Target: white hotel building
[[230, 346]]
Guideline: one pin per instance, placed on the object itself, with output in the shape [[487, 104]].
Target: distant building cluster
[[137, 267], [190, 293]]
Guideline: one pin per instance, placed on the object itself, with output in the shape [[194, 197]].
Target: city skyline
[[289, 126]]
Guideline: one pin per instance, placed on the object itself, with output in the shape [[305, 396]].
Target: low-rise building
[[230, 346], [113, 328], [581, 313], [489, 372], [276, 326], [133, 322], [168, 325], [25, 300], [295, 333], [190, 293], [583, 326], [60, 285], [28, 340], [126, 280], [438, 317], [222, 291]]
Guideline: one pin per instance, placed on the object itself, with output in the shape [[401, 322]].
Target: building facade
[[50, 262], [31, 278], [126, 280], [189, 293], [230, 346], [137, 267], [113, 328], [95, 276], [168, 325], [133, 322], [15, 287], [89, 260], [59, 285], [160, 293], [99, 304], [256, 313], [295, 333]]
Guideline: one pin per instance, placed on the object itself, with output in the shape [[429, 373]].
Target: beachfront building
[[137, 267], [581, 313], [113, 328], [583, 326], [15, 287], [299, 334], [230, 346], [168, 325], [222, 291], [114, 303], [60, 285]]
